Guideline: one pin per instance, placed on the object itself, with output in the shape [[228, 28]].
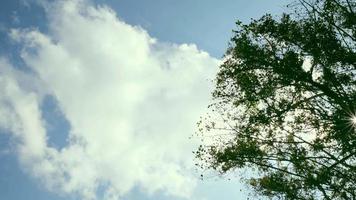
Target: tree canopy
[[285, 104]]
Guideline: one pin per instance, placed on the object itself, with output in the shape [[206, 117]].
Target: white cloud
[[131, 101]]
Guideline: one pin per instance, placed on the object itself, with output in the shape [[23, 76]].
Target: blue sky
[[99, 101]]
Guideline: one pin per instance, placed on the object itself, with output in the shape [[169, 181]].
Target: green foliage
[[285, 95]]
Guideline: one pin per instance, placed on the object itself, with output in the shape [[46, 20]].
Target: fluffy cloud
[[131, 101]]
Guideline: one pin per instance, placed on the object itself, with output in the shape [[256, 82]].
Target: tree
[[285, 104]]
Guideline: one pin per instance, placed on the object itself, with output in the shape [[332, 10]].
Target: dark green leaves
[[285, 94]]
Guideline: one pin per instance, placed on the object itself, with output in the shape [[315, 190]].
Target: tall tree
[[285, 104]]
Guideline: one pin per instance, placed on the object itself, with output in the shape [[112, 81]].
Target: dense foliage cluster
[[286, 100]]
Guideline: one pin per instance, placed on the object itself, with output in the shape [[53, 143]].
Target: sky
[[99, 99]]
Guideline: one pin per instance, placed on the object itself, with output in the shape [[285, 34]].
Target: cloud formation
[[131, 101]]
